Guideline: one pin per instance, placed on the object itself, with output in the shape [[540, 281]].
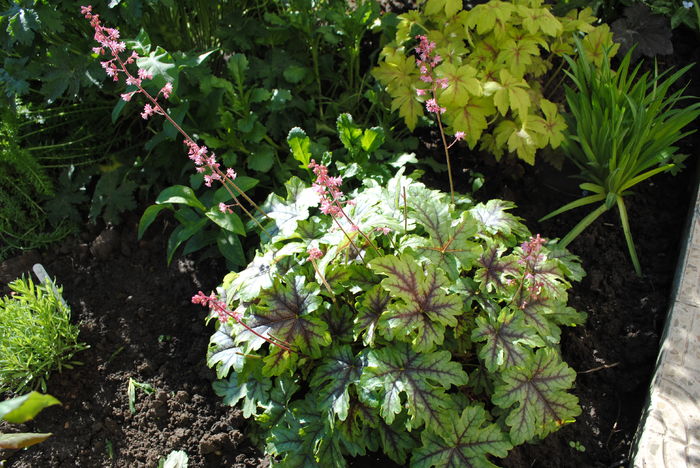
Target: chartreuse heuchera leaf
[[420, 328], [497, 62]]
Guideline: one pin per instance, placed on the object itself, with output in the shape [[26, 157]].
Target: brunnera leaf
[[422, 377], [466, 444], [422, 308], [223, 354], [534, 396], [284, 314]]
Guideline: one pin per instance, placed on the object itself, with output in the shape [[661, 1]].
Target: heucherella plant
[[386, 319], [497, 63]]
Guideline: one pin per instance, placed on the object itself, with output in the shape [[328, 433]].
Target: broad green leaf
[[422, 377], [260, 273], [180, 194], [180, 234], [470, 118], [450, 246], [535, 397], [540, 19], [229, 245], [20, 440], [466, 444], [484, 17], [278, 405], [597, 42], [552, 126], [159, 63], [149, 215], [349, 133], [495, 271], [23, 408], [300, 144], [511, 94], [285, 314], [421, 307], [506, 338], [253, 390], [518, 55], [462, 83], [436, 7], [372, 139], [338, 370], [228, 221], [396, 441]]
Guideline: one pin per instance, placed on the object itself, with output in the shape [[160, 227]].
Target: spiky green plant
[[622, 129]]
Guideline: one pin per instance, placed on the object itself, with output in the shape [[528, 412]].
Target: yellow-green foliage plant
[[497, 63]]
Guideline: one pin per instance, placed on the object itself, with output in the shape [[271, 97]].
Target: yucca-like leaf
[[534, 396]]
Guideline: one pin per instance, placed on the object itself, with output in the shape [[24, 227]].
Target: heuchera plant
[[391, 317], [387, 319], [491, 63]]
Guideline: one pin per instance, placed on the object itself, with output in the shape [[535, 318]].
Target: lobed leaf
[[422, 377], [423, 308], [333, 377], [466, 444], [534, 396]]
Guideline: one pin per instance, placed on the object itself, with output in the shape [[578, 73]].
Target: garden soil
[[136, 315]]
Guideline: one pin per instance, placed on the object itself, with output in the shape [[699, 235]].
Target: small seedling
[[131, 392], [576, 445]]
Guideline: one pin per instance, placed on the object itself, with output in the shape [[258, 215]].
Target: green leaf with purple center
[[421, 308]]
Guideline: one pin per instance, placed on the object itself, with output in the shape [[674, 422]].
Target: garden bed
[[136, 315]]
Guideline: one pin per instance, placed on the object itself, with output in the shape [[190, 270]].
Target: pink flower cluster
[[216, 305], [108, 38], [314, 253], [327, 188]]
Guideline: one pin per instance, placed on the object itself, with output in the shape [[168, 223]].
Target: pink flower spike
[[420, 92], [459, 136], [224, 208], [86, 10], [145, 74], [384, 230], [148, 110], [314, 253], [166, 90], [432, 106], [231, 174]]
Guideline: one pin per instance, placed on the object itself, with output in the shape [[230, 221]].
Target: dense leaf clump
[[406, 324]]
